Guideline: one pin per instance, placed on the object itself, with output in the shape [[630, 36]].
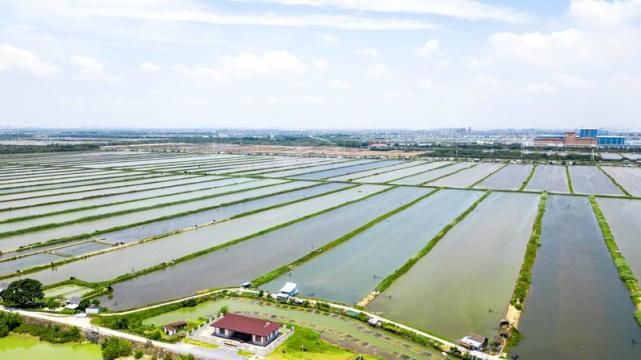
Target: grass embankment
[[157, 179], [529, 178], [82, 208], [625, 273], [525, 275], [160, 236], [132, 210], [419, 173], [568, 178], [307, 344], [286, 268], [430, 245], [233, 242], [449, 174], [184, 213], [614, 181], [488, 176]]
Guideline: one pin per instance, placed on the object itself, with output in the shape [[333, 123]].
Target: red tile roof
[[247, 325]]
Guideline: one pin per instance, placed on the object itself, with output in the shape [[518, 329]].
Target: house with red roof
[[246, 329]]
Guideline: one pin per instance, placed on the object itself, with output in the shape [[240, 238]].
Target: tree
[[224, 309], [114, 348], [25, 293], [138, 354]]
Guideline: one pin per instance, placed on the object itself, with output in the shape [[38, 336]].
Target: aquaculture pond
[[591, 180], [228, 266], [336, 329], [36, 191], [29, 199], [154, 201], [319, 168], [469, 176], [393, 175], [23, 347], [350, 271], [347, 170], [430, 175], [372, 172], [133, 258], [8, 267], [549, 178], [41, 210], [224, 212], [510, 177], [106, 223], [628, 177], [624, 218], [577, 308], [464, 284]]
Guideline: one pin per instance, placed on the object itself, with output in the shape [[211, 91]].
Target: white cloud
[[161, 12], [566, 47], [367, 52], [425, 83], [465, 9], [15, 59], [91, 69], [321, 64], [540, 88], [149, 67], [379, 72], [330, 39], [338, 83], [399, 94], [571, 81], [476, 62], [625, 82], [246, 64], [429, 50], [311, 99], [606, 14], [490, 82]]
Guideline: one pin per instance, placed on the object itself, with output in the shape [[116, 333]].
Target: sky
[[320, 64]]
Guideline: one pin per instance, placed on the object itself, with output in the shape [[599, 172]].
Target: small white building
[[72, 303], [288, 290], [92, 310], [474, 342]]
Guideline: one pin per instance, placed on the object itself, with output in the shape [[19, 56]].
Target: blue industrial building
[[609, 140], [588, 133]]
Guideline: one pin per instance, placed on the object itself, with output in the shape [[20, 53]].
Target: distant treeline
[[282, 140], [480, 152], [27, 149]]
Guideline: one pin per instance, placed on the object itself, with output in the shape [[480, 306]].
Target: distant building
[[588, 133], [92, 310], [379, 146], [570, 138], [610, 140], [246, 329]]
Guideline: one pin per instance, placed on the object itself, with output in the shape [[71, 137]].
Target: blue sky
[[413, 64]]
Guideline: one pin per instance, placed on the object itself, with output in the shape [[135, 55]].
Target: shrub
[[114, 348], [138, 354]]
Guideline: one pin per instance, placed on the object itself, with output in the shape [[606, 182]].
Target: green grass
[[307, 344], [568, 178], [286, 268], [529, 177], [625, 273], [428, 247], [614, 181], [525, 274]]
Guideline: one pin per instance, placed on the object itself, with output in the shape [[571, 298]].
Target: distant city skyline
[[321, 64]]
